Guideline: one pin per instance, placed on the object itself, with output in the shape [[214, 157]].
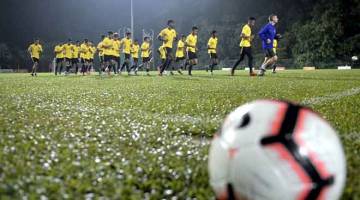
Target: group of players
[[81, 55]]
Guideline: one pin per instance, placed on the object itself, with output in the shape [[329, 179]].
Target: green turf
[[144, 137]]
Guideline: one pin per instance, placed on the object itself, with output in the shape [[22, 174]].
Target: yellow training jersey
[[59, 51], [247, 32], [126, 45], [145, 50], [84, 49], [35, 50], [100, 48], [135, 50], [191, 41], [168, 35], [180, 49], [116, 48], [68, 50], [162, 52], [275, 44], [107, 45], [75, 52], [212, 45]]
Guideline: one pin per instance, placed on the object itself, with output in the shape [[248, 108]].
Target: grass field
[[145, 137]]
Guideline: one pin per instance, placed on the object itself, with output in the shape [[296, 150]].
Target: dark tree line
[[316, 32]]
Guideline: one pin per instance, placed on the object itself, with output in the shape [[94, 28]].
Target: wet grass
[[143, 137]]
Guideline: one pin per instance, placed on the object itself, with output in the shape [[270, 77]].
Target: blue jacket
[[268, 32]]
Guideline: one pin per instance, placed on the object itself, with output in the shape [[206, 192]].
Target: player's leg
[[248, 53], [179, 62], [272, 58], [35, 65], [241, 58]]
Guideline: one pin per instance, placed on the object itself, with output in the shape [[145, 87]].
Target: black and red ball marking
[[285, 137]]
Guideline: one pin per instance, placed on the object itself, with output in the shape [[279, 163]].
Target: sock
[[263, 66]]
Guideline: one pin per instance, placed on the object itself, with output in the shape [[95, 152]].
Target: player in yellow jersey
[[125, 45], [35, 50], [191, 48], [135, 48], [180, 54], [85, 60], [75, 57], [59, 55], [212, 51], [91, 54], [116, 52], [145, 54], [108, 45], [168, 35], [245, 46], [68, 54], [100, 49]]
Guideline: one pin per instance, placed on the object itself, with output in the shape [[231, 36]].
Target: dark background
[[321, 33]]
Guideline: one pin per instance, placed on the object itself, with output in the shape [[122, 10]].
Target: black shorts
[[269, 53], [108, 58], [59, 60], [168, 51], [145, 60], [179, 59], [213, 56], [127, 56], [68, 60], [192, 55], [91, 60], [35, 60], [83, 60], [75, 61], [136, 60]]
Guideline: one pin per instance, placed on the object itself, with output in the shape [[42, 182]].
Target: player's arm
[[29, 49], [263, 34], [187, 43], [210, 43], [160, 37], [245, 33]]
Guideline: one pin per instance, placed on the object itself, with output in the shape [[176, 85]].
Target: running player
[[108, 46], [167, 36], [180, 54], [35, 50], [101, 55], [135, 47], [245, 46], [125, 45], [267, 35], [145, 54], [191, 42], [75, 57], [91, 56], [59, 55], [68, 54], [84, 56], [116, 52], [212, 50]]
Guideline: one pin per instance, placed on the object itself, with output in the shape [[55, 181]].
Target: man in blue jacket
[[267, 35]]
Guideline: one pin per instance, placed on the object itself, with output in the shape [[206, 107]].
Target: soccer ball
[[276, 150], [354, 58]]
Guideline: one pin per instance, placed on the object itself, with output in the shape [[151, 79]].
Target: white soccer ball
[[354, 58], [276, 150]]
